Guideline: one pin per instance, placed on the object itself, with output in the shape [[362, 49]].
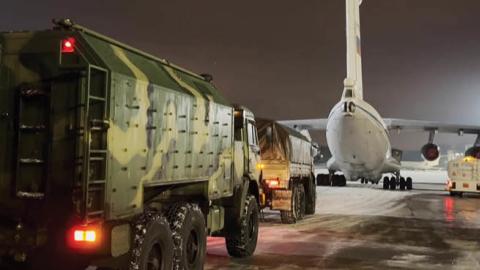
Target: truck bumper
[[281, 200], [463, 186]]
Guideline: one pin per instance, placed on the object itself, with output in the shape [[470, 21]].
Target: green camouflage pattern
[[166, 126]]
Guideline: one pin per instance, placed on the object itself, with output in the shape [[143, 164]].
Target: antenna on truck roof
[[207, 77], [63, 23]]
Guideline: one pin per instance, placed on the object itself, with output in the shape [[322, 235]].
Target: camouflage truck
[[287, 181], [112, 156]]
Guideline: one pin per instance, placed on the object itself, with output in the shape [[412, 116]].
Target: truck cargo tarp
[[276, 141]]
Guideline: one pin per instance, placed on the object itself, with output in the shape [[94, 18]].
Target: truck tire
[[302, 201], [187, 223], [242, 242], [311, 199], [298, 206], [152, 244]]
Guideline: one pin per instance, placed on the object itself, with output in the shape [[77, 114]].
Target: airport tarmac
[[365, 227]]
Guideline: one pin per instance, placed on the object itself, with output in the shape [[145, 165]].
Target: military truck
[[110, 154], [288, 181]]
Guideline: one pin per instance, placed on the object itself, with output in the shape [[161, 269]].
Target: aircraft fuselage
[[358, 140]]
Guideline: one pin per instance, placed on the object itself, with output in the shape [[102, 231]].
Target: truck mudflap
[[282, 200]]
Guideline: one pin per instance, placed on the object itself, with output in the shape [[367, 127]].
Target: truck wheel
[[188, 227], [152, 244], [298, 206], [243, 241], [301, 201], [311, 200]]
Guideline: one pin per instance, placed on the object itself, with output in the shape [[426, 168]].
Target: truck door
[[253, 150]]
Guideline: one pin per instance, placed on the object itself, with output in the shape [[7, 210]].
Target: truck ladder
[[92, 155]]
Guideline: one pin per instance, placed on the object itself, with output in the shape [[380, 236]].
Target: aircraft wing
[[416, 125], [392, 124], [311, 124]]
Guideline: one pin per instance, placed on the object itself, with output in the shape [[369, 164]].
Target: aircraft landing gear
[[338, 181], [386, 182], [402, 183], [409, 183], [394, 181], [331, 180]]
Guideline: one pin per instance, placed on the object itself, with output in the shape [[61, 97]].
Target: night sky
[[286, 59]]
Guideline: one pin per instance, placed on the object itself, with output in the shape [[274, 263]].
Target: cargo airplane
[[358, 137]]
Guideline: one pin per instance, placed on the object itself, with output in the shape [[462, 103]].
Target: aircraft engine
[[430, 152], [473, 152]]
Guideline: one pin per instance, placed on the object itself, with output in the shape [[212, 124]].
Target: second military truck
[[287, 168], [109, 152]]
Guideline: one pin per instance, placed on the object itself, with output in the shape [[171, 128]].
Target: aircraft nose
[[345, 135]]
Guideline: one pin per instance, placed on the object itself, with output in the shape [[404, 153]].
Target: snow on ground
[[355, 199], [365, 227]]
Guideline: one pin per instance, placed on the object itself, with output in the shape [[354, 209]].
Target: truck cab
[[246, 137]]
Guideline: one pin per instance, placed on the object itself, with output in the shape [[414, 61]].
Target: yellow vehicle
[[464, 175], [287, 170]]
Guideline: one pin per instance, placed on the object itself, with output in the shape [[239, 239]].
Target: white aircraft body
[[357, 136]]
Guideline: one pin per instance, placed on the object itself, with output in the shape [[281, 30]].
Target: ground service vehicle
[[107, 152], [464, 175], [287, 170]]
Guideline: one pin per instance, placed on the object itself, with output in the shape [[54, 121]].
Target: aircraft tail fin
[[353, 84]]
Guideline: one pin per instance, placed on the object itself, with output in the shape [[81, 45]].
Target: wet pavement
[[365, 227]]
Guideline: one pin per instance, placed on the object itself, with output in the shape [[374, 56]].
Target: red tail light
[[84, 237], [273, 183], [68, 45]]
